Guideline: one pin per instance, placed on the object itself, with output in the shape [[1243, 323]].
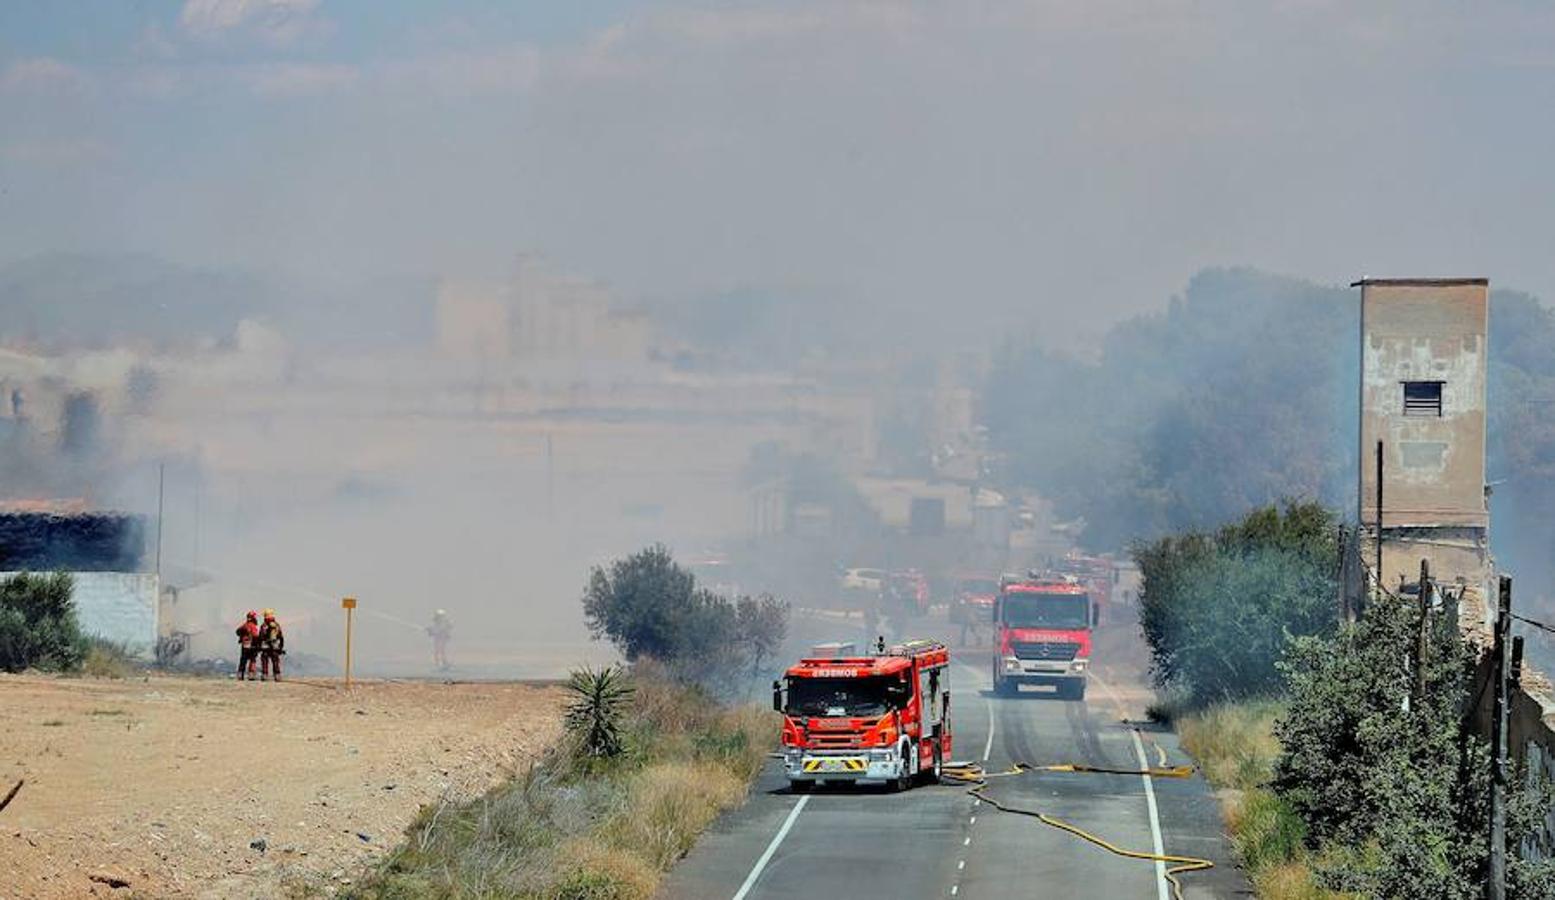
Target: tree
[[38, 626], [1218, 609], [650, 607], [761, 624], [1389, 778]]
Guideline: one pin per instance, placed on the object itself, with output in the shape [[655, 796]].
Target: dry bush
[[594, 870], [668, 806], [106, 659], [1233, 743]]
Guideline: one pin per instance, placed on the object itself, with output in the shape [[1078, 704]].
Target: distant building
[[104, 552], [1423, 377], [538, 315], [473, 320]]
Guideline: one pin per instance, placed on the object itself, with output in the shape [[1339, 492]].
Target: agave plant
[[594, 716]]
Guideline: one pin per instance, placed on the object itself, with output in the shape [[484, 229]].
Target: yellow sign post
[[349, 605]]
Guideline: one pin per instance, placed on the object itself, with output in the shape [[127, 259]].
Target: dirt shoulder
[[168, 784]]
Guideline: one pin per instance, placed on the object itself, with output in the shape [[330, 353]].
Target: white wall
[[120, 606]]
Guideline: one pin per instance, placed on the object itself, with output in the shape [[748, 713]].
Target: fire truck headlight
[[1078, 665], [1011, 664], [881, 755]]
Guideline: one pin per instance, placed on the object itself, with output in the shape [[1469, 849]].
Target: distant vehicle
[[907, 592], [1043, 631], [874, 718], [971, 605], [864, 580]]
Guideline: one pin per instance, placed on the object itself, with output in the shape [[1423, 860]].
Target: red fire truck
[[879, 718], [1043, 629]]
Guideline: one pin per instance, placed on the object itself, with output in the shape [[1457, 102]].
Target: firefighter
[[248, 645], [440, 630], [272, 646]]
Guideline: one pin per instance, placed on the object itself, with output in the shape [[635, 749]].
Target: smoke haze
[[440, 306]]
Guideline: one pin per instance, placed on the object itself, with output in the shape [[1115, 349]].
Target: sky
[[999, 165]]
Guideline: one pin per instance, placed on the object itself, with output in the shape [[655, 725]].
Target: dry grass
[[668, 806], [106, 659], [581, 829], [1290, 881], [1234, 743], [1235, 747]]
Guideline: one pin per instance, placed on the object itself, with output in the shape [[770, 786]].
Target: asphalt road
[[940, 842]]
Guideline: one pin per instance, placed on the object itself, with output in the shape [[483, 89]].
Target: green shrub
[[38, 623], [1217, 610], [1269, 833], [594, 716], [1389, 779], [649, 607]]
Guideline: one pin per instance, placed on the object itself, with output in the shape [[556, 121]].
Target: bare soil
[[186, 787]]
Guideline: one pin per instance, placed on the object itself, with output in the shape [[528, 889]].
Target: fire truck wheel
[[938, 771], [904, 781]]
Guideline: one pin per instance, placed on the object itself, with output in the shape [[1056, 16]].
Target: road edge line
[[1162, 892], [766, 856], [988, 701]]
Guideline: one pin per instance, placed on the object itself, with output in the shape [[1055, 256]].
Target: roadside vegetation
[[38, 630], [1343, 756], [652, 753], [38, 627]]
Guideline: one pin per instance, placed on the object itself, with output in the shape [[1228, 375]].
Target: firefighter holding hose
[[248, 646], [272, 646]]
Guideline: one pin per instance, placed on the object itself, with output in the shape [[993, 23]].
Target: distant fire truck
[[1043, 635], [972, 606], [878, 718]]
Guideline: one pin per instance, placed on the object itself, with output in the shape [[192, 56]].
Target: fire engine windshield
[[850, 697], [1046, 610]]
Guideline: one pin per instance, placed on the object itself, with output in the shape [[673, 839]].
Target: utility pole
[[1495, 887], [1422, 645], [161, 481], [550, 479], [1379, 521]]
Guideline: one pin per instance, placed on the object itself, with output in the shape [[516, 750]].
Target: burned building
[[105, 553], [1422, 431]]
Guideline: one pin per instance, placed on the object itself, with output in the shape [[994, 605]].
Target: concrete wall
[[1434, 467], [1531, 741], [119, 606]]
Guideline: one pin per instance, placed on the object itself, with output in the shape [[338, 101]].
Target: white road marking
[[973, 821], [750, 880], [965, 843], [954, 889], [961, 864], [1155, 819]]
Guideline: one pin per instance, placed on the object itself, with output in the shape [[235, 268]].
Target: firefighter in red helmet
[[248, 645]]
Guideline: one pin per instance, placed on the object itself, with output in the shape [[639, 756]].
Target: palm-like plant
[[598, 703]]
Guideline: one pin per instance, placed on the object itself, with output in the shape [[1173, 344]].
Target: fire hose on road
[[972, 774]]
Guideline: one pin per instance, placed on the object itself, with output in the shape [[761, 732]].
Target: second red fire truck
[[874, 718], [1043, 635]]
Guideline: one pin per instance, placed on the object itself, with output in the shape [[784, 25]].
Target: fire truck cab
[[880, 718], [1043, 629]]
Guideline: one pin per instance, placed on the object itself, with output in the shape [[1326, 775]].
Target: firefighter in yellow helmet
[[272, 646]]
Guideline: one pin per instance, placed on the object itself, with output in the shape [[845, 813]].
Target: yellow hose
[[973, 774]]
